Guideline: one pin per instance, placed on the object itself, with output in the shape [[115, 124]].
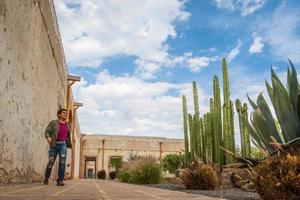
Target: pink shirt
[[63, 132]]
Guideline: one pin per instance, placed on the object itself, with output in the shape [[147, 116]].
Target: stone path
[[81, 189]]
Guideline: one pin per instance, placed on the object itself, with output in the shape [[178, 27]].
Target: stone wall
[[102, 147], [33, 83]]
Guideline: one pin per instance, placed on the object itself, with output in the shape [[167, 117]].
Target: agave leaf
[[254, 135], [267, 115], [289, 75], [293, 87], [287, 118], [257, 135], [270, 92], [260, 123], [256, 144], [298, 105], [254, 106], [278, 83]]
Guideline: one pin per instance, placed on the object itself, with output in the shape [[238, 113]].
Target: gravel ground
[[232, 194]]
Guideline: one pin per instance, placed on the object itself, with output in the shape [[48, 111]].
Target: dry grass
[[278, 177], [200, 176]]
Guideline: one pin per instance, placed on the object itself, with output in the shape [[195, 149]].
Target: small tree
[[116, 162]]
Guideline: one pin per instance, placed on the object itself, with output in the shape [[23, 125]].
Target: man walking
[[58, 136]]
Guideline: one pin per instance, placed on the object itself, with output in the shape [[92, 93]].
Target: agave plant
[[286, 103]]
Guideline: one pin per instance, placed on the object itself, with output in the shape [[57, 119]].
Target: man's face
[[63, 115]]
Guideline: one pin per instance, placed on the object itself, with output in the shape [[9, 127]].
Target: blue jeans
[[60, 149]]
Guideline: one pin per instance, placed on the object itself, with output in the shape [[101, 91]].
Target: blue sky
[[137, 58]]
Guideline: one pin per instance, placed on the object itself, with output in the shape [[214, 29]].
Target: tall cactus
[[244, 132], [204, 138], [202, 130], [217, 124], [185, 128], [232, 139], [210, 138], [228, 129], [192, 139], [207, 154], [196, 121]]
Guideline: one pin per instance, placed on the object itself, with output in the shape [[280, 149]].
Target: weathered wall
[[33, 82], [92, 146]]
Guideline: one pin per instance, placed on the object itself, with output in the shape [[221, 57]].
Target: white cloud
[[246, 7], [250, 6], [257, 45], [195, 64], [281, 32], [225, 4], [234, 52], [93, 30], [128, 105]]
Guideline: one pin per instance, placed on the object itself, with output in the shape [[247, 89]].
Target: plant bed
[[232, 194]]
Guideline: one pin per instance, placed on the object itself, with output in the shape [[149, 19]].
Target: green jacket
[[52, 131]]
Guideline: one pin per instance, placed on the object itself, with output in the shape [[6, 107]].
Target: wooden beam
[[74, 78], [77, 104]]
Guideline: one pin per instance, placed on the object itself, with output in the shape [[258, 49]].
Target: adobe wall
[[113, 145], [33, 80]]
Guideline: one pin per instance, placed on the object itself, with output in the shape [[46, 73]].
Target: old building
[[34, 84], [97, 150]]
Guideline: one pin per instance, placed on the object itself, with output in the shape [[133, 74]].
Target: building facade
[[97, 150], [34, 84]]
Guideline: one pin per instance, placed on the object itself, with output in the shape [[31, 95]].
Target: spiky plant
[[278, 176], [286, 103], [200, 176], [185, 128]]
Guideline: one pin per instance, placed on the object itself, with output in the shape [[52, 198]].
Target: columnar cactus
[[192, 139], [210, 138], [228, 129], [244, 132], [247, 140], [232, 139], [185, 128], [217, 124], [196, 121], [204, 138], [202, 130]]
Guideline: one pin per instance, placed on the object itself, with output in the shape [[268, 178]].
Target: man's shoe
[[46, 181], [60, 183]]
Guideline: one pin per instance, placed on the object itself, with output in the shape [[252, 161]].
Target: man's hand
[[49, 140]]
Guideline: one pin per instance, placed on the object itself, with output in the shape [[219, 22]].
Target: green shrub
[[172, 163], [200, 176], [116, 162], [147, 173], [101, 174], [144, 170], [124, 176]]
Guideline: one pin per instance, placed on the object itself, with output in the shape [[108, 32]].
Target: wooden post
[[103, 141], [160, 152], [71, 80], [76, 105], [81, 160]]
